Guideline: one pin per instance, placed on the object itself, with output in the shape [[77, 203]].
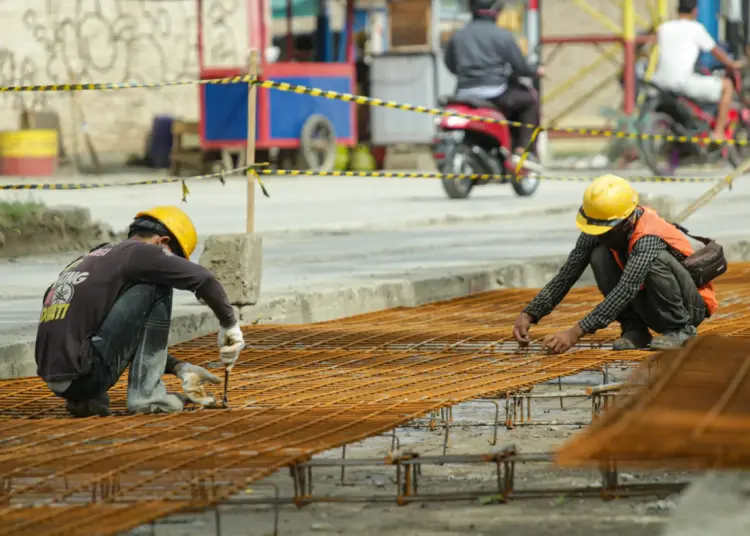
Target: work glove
[[231, 344], [194, 379]]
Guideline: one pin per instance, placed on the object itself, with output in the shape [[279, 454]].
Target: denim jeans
[[137, 325]]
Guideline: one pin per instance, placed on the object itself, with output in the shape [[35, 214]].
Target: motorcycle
[[666, 113], [470, 146]]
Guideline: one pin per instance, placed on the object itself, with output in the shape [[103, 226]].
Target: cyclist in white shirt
[[680, 43]]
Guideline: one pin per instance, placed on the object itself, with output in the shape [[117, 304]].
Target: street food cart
[[312, 126]]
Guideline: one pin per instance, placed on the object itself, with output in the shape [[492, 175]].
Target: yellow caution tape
[[466, 176], [123, 85], [357, 99], [360, 99], [256, 173], [167, 180]]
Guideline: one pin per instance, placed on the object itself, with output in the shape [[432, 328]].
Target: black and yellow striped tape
[[356, 99], [88, 185], [146, 182], [357, 174], [467, 176], [360, 99], [123, 85]]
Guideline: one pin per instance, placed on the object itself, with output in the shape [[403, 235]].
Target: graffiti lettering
[[118, 41]]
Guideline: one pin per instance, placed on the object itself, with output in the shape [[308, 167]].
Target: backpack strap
[[702, 239]]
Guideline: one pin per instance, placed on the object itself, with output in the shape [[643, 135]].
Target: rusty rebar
[[693, 413], [296, 391]]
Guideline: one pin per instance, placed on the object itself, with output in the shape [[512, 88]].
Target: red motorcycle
[[669, 114], [471, 146]]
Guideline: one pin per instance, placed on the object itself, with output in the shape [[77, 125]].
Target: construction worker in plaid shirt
[[636, 257]]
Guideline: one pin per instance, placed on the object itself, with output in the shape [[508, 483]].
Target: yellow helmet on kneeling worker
[[608, 201], [174, 222]]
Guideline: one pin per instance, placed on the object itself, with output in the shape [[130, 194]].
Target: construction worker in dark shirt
[[112, 308], [636, 259]]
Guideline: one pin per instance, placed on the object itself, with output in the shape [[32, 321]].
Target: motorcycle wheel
[[653, 151], [460, 160]]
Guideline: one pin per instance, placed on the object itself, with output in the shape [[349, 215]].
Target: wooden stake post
[[252, 102]]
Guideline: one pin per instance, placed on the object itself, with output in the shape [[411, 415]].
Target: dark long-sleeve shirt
[[637, 266], [76, 304], [481, 54]]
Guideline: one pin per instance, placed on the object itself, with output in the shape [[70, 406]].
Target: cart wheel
[[318, 144]]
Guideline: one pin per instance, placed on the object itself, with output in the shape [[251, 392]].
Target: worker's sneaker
[[673, 339], [166, 403], [632, 340], [98, 406]]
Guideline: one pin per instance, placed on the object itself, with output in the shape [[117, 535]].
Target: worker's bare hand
[[540, 71], [521, 328], [562, 341]]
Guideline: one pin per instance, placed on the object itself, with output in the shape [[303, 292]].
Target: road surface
[[336, 230]]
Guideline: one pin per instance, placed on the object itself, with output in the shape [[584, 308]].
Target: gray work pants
[[669, 300]]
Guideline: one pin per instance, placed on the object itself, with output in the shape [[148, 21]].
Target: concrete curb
[[190, 321]]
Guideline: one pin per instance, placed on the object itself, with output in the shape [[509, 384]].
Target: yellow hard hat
[[177, 223], [606, 202]]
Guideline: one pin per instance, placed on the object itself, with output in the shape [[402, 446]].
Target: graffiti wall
[[58, 41]]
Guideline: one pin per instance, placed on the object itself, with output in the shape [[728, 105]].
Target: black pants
[[137, 323], [669, 301], [519, 104]]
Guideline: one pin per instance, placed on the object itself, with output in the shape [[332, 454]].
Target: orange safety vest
[[651, 224]]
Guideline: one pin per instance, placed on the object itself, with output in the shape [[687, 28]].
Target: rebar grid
[[689, 409], [297, 390]]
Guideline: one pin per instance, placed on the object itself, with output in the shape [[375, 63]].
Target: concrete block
[[236, 260], [716, 503]]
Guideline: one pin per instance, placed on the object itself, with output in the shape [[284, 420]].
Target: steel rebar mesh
[[690, 410], [296, 391]]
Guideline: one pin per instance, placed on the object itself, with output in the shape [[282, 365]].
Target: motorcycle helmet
[[486, 6]]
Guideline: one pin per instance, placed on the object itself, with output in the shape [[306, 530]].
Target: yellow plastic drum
[[30, 153]]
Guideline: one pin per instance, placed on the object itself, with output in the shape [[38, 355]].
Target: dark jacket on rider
[[481, 54]]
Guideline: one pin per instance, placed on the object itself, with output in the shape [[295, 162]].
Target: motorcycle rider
[[487, 62], [680, 43]]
